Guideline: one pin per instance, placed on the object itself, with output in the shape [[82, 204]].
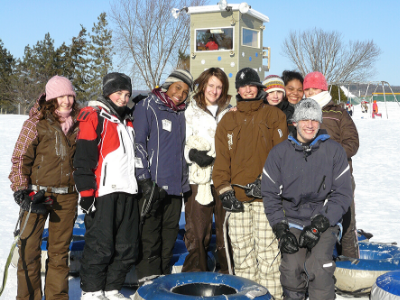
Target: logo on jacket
[[280, 133], [230, 140]]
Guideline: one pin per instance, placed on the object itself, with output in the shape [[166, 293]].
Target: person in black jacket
[[306, 190]]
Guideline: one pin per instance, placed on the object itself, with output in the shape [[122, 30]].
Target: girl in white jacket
[[208, 105]]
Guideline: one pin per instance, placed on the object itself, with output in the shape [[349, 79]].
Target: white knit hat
[[307, 109]]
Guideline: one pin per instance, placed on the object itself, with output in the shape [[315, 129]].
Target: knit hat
[[176, 76], [273, 83], [307, 109], [59, 86], [247, 76], [114, 82], [315, 80]]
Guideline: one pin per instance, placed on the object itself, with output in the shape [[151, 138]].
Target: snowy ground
[[376, 171]]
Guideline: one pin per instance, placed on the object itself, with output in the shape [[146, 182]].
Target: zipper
[[122, 141], [322, 183], [105, 174]]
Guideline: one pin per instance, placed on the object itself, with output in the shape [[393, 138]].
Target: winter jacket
[[299, 181], [288, 110], [160, 143], [341, 128], [43, 154], [200, 122], [243, 141], [105, 154]]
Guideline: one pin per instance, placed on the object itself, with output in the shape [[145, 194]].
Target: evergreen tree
[[335, 95], [7, 65]]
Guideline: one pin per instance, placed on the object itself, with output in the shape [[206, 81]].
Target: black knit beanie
[[247, 76], [114, 82]]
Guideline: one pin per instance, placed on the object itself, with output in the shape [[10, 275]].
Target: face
[[311, 92], [65, 103], [178, 92], [306, 130], [212, 90], [248, 91], [275, 97], [294, 91], [120, 98]]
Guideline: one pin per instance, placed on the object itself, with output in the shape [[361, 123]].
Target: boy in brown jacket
[[243, 141]]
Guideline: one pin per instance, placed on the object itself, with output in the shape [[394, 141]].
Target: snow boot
[[115, 295], [99, 295]]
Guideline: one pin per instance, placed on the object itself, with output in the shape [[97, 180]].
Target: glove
[[200, 157], [87, 204], [287, 240], [150, 206], [254, 189], [230, 203], [35, 201], [310, 235]]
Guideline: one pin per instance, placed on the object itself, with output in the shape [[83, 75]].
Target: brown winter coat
[[341, 128], [43, 155], [242, 143]]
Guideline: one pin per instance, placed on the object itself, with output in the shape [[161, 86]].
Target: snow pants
[[111, 242], [158, 238], [198, 232], [62, 217], [349, 244], [312, 270], [255, 248]]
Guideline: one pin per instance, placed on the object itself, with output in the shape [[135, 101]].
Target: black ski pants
[[111, 242]]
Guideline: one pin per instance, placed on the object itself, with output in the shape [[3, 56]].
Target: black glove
[[287, 240], [310, 235], [200, 157], [152, 195], [36, 202], [254, 189], [230, 202], [87, 204]]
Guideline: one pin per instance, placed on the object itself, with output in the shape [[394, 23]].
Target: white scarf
[[201, 176], [322, 98]]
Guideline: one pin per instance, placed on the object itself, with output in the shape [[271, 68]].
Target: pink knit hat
[[315, 80], [59, 86]]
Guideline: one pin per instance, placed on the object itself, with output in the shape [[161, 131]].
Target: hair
[[51, 105], [291, 75], [201, 82]]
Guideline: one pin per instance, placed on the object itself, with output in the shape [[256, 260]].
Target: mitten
[[200, 157], [36, 202], [310, 235], [87, 204], [230, 202], [287, 240], [254, 189]]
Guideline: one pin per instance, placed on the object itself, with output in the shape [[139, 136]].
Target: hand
[[200, 157], [36, 202], [87, 204], [254, 189], [287, 240], [159, 196], [152, 195], [310, 235], [230, 202]]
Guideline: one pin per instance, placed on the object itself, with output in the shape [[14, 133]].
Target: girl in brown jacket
[[43, 185]]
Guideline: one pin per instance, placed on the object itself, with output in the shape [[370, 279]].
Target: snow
[[376, 171]]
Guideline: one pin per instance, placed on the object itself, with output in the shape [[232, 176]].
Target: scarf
[[322, 98], [65, 120], [167, 100]]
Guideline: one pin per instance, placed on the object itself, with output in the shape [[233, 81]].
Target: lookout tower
[[229, 37]]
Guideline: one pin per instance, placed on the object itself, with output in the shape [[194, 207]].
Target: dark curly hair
[[51, 105], [290, 75]]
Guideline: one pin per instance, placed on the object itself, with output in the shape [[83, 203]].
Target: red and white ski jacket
[[105, 156]]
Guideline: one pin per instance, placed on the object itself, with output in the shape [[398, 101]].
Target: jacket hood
[[322, 136], [35, 110]]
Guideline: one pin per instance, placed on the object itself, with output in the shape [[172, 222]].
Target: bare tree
[[148, 37], [317, 50]]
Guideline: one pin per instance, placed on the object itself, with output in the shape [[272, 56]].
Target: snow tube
[[387, 287], [356, 276], [201, 285]]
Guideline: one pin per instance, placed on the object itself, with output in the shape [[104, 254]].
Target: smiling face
[[65, 103], [178, 92], [212, 90], [306, 130], [275, 97], [248, 91], [294, 91], [120, 98]]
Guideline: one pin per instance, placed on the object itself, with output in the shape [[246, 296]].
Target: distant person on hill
[[341, 129], [293, 86]]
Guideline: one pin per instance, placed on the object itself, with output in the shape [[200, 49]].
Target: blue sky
[[24, 22]]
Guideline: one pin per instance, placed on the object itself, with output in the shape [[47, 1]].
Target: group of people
[[276, 169]]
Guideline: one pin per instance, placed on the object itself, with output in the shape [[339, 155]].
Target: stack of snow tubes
[[387, 287], [201, 285]]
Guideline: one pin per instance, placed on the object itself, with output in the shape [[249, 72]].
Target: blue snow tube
[[356, 276], [201, 285], [387, 287]]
